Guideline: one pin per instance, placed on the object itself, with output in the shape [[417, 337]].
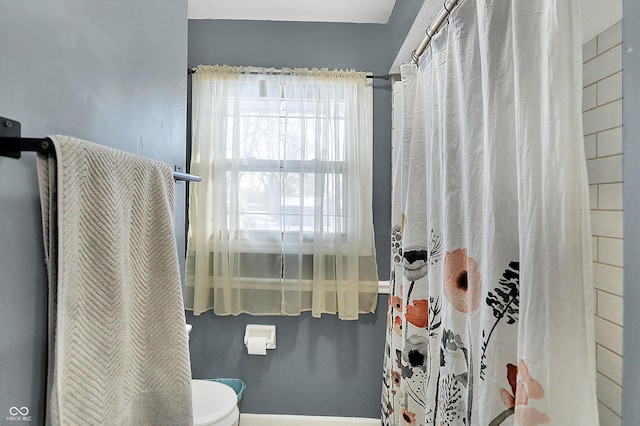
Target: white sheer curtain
[[491, 316], [282, 221]]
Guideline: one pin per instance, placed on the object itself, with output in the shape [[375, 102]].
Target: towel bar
[[11, 145]]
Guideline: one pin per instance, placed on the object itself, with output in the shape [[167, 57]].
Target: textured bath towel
[[118, 352]]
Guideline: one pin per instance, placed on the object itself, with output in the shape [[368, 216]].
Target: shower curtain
[[490, 311]]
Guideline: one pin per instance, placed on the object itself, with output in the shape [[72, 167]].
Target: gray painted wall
[[110, 72], [631, 200], [321, 366]]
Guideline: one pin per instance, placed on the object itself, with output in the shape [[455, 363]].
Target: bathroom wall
[[321, 366], [631, 185], [111, 72], [602, 106]]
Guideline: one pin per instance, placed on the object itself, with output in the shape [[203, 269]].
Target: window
[[282, 221], [274, 155]]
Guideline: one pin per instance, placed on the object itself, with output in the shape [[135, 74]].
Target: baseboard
[[290, 420]]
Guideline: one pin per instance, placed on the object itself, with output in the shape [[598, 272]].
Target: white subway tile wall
[[606, 277], [609, 142], [590, 146], [602, 114], [603, 65], [590, 49], [604, 117]]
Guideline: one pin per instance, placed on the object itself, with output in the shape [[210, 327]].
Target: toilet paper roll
[[257, 345]]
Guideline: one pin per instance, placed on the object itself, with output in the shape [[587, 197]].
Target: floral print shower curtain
[[490, 310]]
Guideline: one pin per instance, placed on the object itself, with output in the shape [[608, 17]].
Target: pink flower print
[[408, 418], [396, 378], [523, 388], [527, 388], [533, 387], [396, 302], [462, 281], [418, 313], [509, 399], [397, 325], [530, 417]]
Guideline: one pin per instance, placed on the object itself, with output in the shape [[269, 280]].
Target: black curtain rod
[[382, 77]]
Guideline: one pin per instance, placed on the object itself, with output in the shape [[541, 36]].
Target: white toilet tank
[[214, 404]]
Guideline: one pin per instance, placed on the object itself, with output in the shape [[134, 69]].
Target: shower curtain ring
[[448, 11]]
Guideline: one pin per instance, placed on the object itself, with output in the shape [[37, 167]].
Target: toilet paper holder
[[258, 330]]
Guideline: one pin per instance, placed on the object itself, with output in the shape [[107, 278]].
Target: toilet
[[214, 404]]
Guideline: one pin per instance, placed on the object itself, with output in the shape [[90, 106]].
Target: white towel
[[118, 352]]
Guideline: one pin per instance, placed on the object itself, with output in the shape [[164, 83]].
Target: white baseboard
[[290, 420]]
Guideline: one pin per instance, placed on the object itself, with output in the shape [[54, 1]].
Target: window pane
[[333, 220], [285, 201], [304, 202], [256, 131], [299, 201], [257, 200], [286, 158]]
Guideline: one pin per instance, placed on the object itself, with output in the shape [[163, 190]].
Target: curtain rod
[[433, 29], [191, 71]]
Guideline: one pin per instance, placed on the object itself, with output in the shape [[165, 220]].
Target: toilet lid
[[212, 401]]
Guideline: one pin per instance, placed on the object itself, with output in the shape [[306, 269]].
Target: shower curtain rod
[[13, 146], [433, 29], [382, 77]]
